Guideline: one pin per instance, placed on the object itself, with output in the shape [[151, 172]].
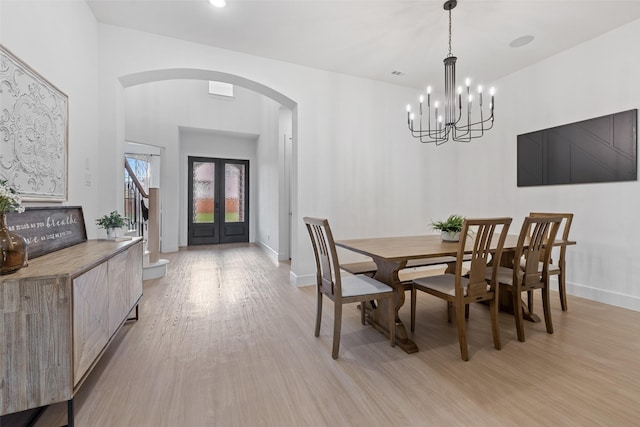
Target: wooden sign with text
[[49, 229]]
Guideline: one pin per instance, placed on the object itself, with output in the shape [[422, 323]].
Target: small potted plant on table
[[111, 222], [450, 228]]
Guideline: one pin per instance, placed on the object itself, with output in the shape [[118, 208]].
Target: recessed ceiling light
[[521, 41], [218, 3]]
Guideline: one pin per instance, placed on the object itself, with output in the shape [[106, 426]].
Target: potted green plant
[[111, 222], [450, 228]]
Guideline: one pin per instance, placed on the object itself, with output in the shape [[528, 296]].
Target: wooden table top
[[415, 247]]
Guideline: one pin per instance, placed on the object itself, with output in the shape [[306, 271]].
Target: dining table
[[391, 255]]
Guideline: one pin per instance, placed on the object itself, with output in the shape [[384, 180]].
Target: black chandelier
[[454, 124]]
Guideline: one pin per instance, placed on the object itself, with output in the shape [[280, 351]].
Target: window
[[221, 89]]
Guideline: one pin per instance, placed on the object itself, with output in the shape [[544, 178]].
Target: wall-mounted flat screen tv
[[603, 149]]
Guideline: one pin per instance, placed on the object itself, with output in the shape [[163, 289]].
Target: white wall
[[268, 188], [152, 109], [285, 138], [59, 40], [594, 79]]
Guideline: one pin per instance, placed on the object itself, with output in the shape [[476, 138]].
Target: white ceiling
[[372, 38]]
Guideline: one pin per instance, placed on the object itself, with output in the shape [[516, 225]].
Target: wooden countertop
[[77, 259]]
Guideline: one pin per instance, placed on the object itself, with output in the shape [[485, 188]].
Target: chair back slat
[[486, 244], [563, 230], [535, 244], [327, 265]]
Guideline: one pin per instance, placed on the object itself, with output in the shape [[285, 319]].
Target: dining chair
[[529, 267], [558, 268], [343, 290], [460, 290]]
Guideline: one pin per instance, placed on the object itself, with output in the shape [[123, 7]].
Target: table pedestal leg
[[378, 317]]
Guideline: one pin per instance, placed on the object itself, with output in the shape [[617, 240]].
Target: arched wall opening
[[286, 190]]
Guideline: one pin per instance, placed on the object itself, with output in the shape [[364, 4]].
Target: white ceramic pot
[[111, 233], [450, 236]]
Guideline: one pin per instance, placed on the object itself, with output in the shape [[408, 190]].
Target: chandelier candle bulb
[[492, 91]]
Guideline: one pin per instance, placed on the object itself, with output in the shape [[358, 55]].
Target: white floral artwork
[[33, 132]]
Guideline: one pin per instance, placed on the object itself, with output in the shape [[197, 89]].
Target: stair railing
[[143, 215], [135, 209]]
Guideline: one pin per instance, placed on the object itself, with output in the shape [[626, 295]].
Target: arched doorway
[[285, 191]]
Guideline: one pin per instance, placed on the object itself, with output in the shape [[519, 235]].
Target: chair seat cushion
[[553, 269], [504, 276], [362, 285], [443, 283]]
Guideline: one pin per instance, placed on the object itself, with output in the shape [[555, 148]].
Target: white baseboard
[[607, 297], [268, 250], [306, 280]]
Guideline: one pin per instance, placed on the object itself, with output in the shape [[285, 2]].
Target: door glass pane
[[234, 203], [203, 192]]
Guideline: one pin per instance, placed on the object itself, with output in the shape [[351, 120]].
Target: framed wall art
[[34, 132], [602, 149]]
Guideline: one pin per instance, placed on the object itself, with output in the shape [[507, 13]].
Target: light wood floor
[[225, 340]]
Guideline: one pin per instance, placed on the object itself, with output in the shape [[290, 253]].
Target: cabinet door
[[90, 318], [35, 342], [119, 292], [134, 274]]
